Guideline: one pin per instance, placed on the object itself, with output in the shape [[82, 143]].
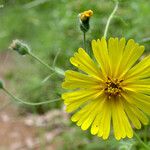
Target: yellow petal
[[96, 124], [131, 115], [101, 125], [113, 49], [83, 61], [88, 121], [119, 55], [138, 86], [83, 118], [75, 80], [119, 129], [74, 100], [101, 54], [140, 115], [121, 123], [106, 120], [140, 100], [84, 111], [80, 95], [141, 70], [131, 54]]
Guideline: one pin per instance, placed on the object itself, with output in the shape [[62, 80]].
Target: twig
[[29, 103], [56, 56], [109, 19], [34, 3]]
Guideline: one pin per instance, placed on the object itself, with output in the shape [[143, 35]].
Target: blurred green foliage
[[49, 26]]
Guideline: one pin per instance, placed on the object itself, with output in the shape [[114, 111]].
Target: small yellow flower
[[84, 18], [86, 15], [115, 90]]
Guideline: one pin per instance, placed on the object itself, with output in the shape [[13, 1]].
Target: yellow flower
[[84, 18], [115, 90], [86, 15]]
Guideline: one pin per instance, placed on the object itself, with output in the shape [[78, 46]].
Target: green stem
[[48, 77], [84, 40], [140, 141], [57, 70], [145, 40], [27, 103], [109, 19], [39, 60], [56, 57]]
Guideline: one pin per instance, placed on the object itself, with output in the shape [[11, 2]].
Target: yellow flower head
[[113, 90], [84, 18], [86, 15]]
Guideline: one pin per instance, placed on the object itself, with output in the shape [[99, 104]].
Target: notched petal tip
[[131, 41], [93, 132], [142, 47], [118, 138], [138, 127], [130, 136], [98, 40], [146, 121], [82, 52], [84, 127], [72, 60], [105, 137], [74, 118], [93, 42]]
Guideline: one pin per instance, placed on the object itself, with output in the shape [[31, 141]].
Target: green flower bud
[[20, 47], [84, 18], [1, 84]]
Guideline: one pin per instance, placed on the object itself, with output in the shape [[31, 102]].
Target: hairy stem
[[57, 70], [109, 19], [28, 103], [84, 40]]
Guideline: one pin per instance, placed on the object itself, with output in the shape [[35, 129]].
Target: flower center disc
[[113, 88]]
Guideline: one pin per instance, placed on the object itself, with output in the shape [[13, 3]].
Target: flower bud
[[20, 47], [84, 18], [1, 84]]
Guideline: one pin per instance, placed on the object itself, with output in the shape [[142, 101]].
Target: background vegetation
[[51, 27]]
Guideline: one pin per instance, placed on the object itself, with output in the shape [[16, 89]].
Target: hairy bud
[[20, 47]]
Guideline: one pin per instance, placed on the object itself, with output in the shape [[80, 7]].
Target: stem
[[48, 77], [39, 60], [109, 19], [145, 40], [84, 40], [140, 141], [55, 59], [34, 3], [28, 103], [57, 70]]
